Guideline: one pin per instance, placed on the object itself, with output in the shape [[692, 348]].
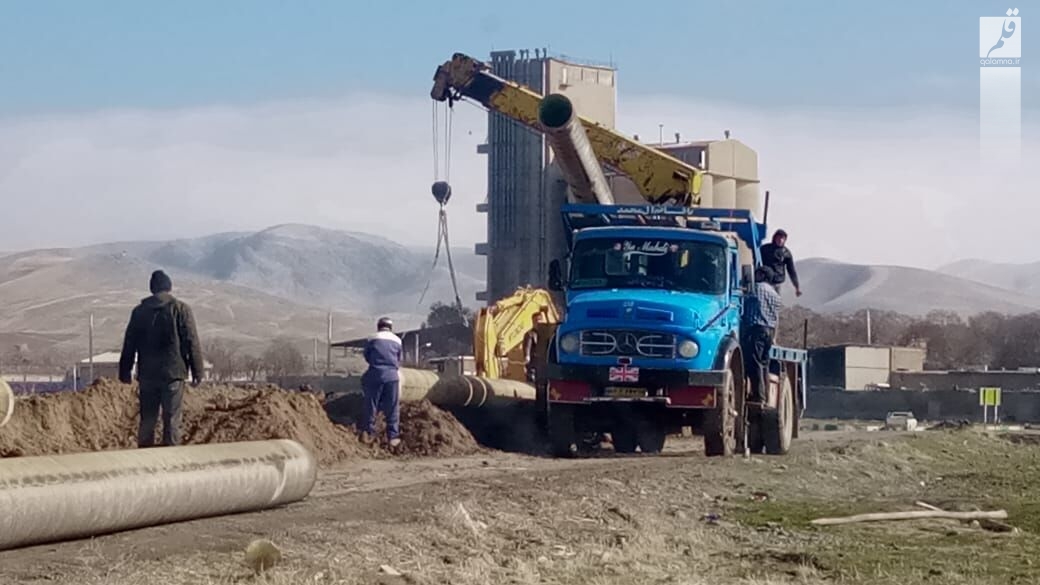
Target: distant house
[[106, 365], [861, 367]]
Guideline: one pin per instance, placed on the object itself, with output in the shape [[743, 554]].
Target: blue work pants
[[383, 397]]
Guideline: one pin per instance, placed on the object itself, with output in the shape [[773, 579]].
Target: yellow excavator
[[501, 331]]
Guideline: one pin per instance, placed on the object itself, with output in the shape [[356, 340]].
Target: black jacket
[[780, 261], [161, 336]]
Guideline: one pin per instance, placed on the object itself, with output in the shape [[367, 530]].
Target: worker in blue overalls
[[381, 382]]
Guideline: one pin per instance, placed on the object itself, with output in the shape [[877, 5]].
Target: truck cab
[[650, 338]]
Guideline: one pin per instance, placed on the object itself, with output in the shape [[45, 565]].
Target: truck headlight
[[688, 349], [570, 343]]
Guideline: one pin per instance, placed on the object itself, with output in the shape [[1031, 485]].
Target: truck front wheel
[[720, 437]]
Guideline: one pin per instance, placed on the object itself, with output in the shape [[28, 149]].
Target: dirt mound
[[104, 417], [429, 431], [224, 415], [426, 430]]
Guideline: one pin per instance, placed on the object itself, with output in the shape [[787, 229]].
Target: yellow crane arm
[[501, 329], [660, 177]]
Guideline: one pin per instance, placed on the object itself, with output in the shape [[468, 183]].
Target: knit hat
[[160, 282]]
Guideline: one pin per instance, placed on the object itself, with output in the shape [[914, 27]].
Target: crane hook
[[441, 192]]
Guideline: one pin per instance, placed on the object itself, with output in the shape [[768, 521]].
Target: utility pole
[[328, 347], [90, 348], [869, 336]]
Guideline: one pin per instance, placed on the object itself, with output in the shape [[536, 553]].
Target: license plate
[[616, 392]]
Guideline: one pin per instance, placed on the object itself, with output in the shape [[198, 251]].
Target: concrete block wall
[[932, 405], [959, 380]]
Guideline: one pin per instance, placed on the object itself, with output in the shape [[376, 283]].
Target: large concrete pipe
[[48, 499], [6, 402], [572, 150], [468, 391]]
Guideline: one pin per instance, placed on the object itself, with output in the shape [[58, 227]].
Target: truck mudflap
[[579, 384]]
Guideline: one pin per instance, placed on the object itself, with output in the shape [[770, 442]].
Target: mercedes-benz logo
[[628, 343]]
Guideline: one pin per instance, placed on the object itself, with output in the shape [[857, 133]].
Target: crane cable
[[442, 225]]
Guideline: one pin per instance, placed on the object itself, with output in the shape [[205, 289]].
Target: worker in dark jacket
[[381, 382], [761, 315], [530, 343], [778, 259], [162, 339]]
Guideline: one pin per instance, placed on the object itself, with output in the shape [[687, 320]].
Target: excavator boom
[[501, 329], [660, 178]]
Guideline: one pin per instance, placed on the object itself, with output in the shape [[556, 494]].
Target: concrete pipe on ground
[[49, 499], [574, 154], [6, 402], [469, 391]]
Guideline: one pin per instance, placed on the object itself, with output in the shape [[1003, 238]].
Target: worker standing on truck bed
[[777, 258], [381, 382], [761, 313], [161, 337]]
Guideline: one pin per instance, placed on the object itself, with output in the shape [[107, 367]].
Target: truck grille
[[647, 344]]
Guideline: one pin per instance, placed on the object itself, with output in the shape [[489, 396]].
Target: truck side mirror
[[555, 276]]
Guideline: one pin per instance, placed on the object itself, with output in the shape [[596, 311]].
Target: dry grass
[[643, 521]]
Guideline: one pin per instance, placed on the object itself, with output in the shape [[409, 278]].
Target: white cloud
[[894, 186]]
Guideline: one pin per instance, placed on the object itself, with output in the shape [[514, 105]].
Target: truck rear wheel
[[651, 438], [640, 430], [720, 437], [624, 439], [562, 434], [778, 423], [755, 440]]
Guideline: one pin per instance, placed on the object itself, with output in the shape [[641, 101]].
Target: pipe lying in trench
[[49, 499], [456, 390]]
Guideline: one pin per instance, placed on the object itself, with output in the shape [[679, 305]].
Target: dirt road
[[677, 518]]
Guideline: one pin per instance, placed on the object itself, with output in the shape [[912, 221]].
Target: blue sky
[[61, 56], [238, 115]]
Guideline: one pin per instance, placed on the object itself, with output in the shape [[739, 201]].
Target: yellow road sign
[[989, 396]]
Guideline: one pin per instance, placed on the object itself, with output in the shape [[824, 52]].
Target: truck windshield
[[681, 265]]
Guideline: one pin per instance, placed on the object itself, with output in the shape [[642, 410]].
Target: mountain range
[[283, 281], [249, 286], [967, 288]]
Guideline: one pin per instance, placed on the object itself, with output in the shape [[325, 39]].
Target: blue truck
[[650, 339]]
